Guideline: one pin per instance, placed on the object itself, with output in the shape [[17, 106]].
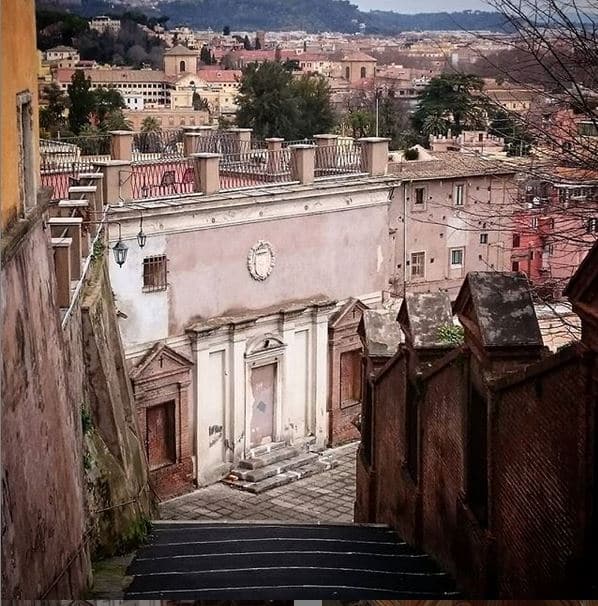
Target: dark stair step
[[247, 531], [353, 559]]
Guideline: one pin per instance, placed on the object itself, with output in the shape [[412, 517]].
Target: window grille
[[483, 238], [155, 273]]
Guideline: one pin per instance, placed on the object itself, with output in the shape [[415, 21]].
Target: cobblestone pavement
[[326, 497]]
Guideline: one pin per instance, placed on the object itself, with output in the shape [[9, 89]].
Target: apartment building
[[451, 214]]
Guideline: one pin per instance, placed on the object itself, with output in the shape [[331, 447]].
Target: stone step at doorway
[[277, 464], [240, 561]]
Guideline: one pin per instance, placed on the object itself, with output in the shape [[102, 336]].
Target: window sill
[[149, 289]]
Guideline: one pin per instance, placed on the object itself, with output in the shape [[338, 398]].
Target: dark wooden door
[[160, 437]]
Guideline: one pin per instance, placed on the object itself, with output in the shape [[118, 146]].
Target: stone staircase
[[278, 561], [277, 464]]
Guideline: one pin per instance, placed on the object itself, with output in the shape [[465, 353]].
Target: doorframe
[[266, 357]]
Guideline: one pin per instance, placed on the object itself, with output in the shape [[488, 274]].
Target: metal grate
[[155, 273]]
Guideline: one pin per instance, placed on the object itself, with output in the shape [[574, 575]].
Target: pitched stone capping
[[498, 315], [380, 333], [242, 138], [303, 163], [582, 291], [421, 315]]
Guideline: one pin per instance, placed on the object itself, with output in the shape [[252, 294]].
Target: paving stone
[[327, 497]]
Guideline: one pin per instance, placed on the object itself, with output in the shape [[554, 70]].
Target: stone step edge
[[312, 468], [261, 473]]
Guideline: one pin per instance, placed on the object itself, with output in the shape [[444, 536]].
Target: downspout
[[404, 239]]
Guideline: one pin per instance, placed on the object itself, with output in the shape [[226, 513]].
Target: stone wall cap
[[422, 314], [326, 136], [273, 139], [112, 163], [302, 146], [206, 155], [122, 132], [381, 333], [500, 305], [373, 139]]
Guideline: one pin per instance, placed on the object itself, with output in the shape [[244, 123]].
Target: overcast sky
[[421, 6]]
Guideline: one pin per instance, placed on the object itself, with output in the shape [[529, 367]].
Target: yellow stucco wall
[[19, 73]]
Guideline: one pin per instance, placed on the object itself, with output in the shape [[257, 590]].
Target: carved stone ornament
[[260, 260]]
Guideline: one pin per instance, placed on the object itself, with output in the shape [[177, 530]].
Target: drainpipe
[[405, 238]]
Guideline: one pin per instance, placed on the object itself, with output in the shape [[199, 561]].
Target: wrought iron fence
[[256, 167], [338, 159], [158, 144], [162, 178]]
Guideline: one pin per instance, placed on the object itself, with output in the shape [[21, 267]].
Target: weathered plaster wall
[[335, 255], [55, 478], [43, 501]]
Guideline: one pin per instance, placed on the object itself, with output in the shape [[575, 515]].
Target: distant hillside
[[309, 15]]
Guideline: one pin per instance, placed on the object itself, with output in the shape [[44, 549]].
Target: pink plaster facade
[[479, 227]]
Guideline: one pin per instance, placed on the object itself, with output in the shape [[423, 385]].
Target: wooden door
[[263, 385], [350, 382], [160, 437]]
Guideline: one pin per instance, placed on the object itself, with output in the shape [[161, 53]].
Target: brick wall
[[442, 454], [539, 501], [534, 541]]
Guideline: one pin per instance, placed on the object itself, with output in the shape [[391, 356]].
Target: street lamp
[[120, 250], [141, 237]]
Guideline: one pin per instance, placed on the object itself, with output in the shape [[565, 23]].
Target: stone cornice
[[181, 215]]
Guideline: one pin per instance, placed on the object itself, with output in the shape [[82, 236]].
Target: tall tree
[[52, 117], [316, 113], [82, 101], [451, 97], [266, 101], [246, 43], [107, 101], [226, 30]]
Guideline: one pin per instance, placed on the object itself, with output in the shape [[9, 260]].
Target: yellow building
[[19, 139]]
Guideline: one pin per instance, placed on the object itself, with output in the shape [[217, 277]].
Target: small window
[[418, 261], [420, 195], [551, 224], [534, 222], [456, 257], [347, 73], [155, 273], [515, 266], [516, 240], [363, 72], [592, 227], [459, 194], [483, 238]]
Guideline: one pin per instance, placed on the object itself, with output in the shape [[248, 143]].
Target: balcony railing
[[162, 178], [256, 167]]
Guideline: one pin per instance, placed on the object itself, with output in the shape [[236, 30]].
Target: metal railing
[[158, 144], [338, 160], [162, 178], [256, 167]]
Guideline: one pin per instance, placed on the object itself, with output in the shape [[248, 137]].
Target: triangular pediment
[[349, 314], [160, 360]]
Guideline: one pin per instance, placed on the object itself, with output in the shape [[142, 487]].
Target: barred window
[[155, 273]]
